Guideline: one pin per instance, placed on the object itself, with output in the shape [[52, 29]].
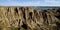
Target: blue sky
[[29, 2]]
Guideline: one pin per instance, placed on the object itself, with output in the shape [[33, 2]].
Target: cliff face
[[29, 19]]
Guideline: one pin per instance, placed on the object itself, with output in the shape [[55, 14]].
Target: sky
[[29, 2]]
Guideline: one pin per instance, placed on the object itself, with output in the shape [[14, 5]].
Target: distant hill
[[45, 7]]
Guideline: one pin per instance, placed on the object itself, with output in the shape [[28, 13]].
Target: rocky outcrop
[[29, 19]]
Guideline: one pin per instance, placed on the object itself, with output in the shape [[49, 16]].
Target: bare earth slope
[[26, 18]]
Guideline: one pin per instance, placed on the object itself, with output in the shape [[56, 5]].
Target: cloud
[[30, 3], [51, 3], [14, 3]]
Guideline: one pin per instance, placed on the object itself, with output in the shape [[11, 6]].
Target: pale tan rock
[[29, 19]]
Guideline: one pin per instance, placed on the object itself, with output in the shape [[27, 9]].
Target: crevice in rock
[[19, 24], [58, 25], [8, 10], [45, 17], [16, 10], [58, 17], [30, 14], [24, 26], [24, 16], [58, 10]]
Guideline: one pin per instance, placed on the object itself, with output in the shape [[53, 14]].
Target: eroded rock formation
[[29, 19]]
